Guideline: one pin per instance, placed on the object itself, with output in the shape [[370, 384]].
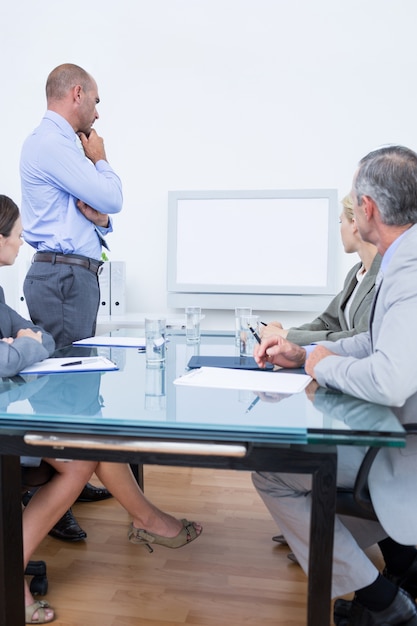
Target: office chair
[[356, 501], [39, 583]]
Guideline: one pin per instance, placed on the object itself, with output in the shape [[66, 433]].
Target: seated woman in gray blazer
[[348, 313], [22, 344]]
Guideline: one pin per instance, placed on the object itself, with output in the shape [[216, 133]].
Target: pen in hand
[[254, 333]]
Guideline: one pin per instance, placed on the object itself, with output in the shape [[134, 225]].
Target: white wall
[[213, 94]]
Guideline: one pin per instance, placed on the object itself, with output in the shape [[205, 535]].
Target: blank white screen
[[237, 243]]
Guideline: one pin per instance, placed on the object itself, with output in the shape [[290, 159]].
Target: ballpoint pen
[[71, 363], [254, 333], [252, 404], [88, 360]]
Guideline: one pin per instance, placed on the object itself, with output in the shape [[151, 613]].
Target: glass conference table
[[137, 415]]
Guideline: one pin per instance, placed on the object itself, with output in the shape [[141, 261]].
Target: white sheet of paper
[[63, 365], [113, 342], [225, 378]]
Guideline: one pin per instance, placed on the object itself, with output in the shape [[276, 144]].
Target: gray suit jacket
[[23, 351], [331, 324], [379, 365], [392, 483]]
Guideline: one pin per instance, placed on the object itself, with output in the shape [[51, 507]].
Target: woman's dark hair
[[9, 213]]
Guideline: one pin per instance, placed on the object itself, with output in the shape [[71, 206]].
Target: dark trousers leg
[[62, 299]]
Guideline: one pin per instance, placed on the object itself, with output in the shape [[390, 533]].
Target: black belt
[[69, 259]]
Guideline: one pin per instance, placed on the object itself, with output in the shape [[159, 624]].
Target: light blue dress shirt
[[55, 173]]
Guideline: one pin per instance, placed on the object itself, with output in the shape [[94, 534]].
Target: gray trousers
[[62, 299], [288, 498]]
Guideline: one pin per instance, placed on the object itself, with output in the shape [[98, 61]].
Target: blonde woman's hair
[[348, 207]]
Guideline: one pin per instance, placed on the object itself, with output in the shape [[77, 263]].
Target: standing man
[[68, 192], [379, 366]]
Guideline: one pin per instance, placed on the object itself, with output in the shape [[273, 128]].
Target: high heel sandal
[[40, 607], [143, 537]]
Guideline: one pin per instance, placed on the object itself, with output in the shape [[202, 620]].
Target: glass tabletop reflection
[[139, 400]]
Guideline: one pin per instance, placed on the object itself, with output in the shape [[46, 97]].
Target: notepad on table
[[65, 365], [250, 380], [113, 342]]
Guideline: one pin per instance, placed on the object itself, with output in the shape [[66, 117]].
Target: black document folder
[[232, 362]]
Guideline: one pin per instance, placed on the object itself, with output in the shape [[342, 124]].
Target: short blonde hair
[[348, 207]]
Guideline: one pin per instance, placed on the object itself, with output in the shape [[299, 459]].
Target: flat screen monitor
[[225, 247]]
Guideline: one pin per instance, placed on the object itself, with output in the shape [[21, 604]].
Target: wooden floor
[[233, 575]]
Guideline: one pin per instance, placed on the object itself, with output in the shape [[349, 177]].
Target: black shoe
[[407, 580], [68, 529], [93, 494], [401, 612], [341, 610]]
